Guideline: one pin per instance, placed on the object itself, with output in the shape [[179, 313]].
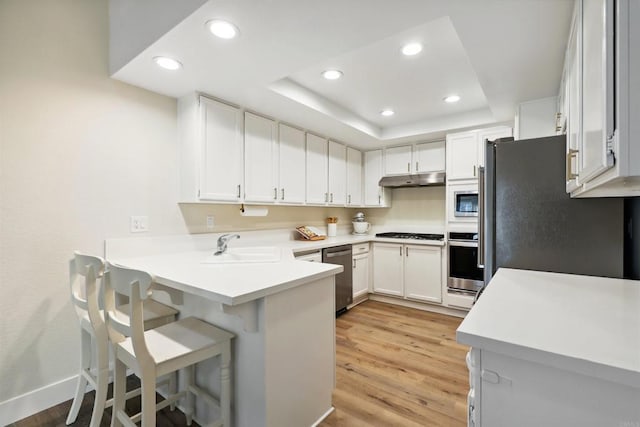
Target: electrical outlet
[[210, 222], [139, 224]]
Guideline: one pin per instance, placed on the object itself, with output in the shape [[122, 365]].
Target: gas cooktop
[[415, 236]]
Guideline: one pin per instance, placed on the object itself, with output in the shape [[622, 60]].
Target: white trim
[[35, 401], [450, 311], [325, 415]]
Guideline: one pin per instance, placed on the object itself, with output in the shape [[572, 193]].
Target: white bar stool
[[156, 352], [84, 270]]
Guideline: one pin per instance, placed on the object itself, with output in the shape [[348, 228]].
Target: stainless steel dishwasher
[[341, 255]]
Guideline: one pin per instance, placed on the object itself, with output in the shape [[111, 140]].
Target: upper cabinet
[[466, 151], [337, 174], [601, 88], [354, 177], [374, 195], [409, 159], [292, 157], [260, 159], [429, 156], [211, 141], [317, 170]]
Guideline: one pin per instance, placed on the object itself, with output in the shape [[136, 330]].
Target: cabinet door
[[388, 268], [372, 174], [291, 165], [354, 177], [597, 88], [574, 110], [490, 134], [360, 275], [337, 174], [260, 159], [423, 272], [316, 170], [429, 157], [462, 156], [221, 157], [397, 160]]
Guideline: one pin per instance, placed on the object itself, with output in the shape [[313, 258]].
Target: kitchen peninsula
[[281, 311]]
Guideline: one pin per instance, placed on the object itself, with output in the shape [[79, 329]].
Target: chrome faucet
[[223, 241]]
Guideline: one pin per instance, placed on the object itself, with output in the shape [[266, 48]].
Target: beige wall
[[412, 209], [79, 154]]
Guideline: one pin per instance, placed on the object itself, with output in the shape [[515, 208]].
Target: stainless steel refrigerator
[[530, 222]]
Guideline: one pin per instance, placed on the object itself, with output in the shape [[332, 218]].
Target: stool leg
[[173, 387], [85, 365], [225, 387], [102, 381], [148, 381], [119, 391], [189, 382]]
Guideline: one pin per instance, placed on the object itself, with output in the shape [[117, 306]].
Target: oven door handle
[[480, 217], [463, 244]]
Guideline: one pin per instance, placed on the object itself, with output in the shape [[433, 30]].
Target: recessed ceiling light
[[223, 29], [167, 63], [332, 74], [451, 99], [412, 49], [387, 112]]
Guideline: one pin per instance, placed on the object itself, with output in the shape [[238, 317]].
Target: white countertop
[[229, 284], [351, 239], [589, 325]]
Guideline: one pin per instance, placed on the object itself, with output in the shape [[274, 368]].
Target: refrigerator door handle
[[480, 217]]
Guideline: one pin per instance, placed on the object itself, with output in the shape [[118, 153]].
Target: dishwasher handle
[[337, 254]]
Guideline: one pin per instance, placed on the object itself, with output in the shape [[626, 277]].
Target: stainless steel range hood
[[428, 179]]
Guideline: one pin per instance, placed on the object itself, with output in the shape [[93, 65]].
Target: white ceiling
[[493, 53]]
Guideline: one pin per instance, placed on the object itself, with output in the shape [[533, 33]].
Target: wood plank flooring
[[396, 366]]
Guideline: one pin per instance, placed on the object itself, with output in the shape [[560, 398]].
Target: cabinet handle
[[349, 199], [406, 250], [379, 199], [282, 198], [400, 250], [417, 168], [275, 194], [570, 155], [326, 197], [354, 263], [474, 170], [238, 191], [331, 198], [408, 167]]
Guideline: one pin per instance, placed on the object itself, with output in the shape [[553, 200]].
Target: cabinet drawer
[[361, 248]]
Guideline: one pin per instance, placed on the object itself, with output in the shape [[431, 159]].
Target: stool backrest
[[136, 286], [84, 270]]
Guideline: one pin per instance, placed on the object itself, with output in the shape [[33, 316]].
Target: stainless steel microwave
[[465, 203]]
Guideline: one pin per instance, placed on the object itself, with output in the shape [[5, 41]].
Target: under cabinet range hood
[[427, 179]]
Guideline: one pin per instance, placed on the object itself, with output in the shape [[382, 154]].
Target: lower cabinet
[[409, 271], [360, 275]]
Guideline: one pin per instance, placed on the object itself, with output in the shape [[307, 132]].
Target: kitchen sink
[[245, 255]]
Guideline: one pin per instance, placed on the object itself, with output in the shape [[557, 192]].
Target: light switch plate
[[139, 224]]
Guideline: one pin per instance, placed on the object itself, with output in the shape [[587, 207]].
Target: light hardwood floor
[[398, 366]]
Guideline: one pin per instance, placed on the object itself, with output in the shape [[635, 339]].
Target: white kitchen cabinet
[[292, 166], [409, 271], [337, 174], [466, 151], [260, 159], [604, 160], [429, 156], [354, 177], [316, 170], [423, 273], [388, 269], [462, 156], [374, 195], [360, 276], [211, 150], [397, 160]]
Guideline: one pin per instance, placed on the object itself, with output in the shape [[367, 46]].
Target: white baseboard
[[30, 403], [419, 306], [325, 415]]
